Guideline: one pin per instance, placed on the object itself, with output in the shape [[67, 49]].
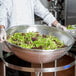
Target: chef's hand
[[2, 33], [59, 26], [3, 38]]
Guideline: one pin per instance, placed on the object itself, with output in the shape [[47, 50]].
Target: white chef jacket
[[21, 12]]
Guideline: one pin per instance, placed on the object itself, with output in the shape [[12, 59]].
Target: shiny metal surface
[[33, 69], [72, 32], [39, 56]]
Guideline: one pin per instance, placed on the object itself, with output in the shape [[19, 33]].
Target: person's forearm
[[44, 13]]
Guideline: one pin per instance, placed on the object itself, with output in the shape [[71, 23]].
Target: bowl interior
[[63, 36]]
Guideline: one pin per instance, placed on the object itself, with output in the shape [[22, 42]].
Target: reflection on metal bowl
[[72, 32], [39, 56]]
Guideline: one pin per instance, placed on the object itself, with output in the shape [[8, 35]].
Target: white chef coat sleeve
[[43, 12], [5, 11]]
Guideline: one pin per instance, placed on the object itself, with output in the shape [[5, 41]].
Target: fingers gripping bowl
[[37, 55]]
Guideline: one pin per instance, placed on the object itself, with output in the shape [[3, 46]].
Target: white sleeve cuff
[[49, 19]]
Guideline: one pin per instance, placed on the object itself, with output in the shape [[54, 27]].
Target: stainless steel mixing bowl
[[39, 56], [72, 32]]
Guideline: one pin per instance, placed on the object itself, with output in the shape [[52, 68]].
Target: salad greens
[[34, 40], [70, 27]]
